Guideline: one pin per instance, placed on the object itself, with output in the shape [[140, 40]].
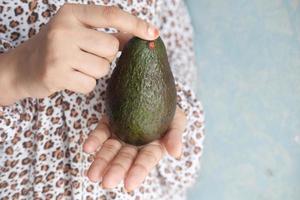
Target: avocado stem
[[151, 45]]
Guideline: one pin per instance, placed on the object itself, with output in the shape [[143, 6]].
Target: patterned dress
[[41, 140]]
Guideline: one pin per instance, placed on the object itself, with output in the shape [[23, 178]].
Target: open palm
[[115, 161]]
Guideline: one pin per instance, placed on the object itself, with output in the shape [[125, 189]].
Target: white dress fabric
[[41, 140]]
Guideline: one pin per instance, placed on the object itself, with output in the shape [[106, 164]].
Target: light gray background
[[248, 55]]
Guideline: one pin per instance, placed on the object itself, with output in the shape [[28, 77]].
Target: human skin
[[68, 53]]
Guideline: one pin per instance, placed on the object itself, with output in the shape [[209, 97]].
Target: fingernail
[[178, 157], [101, 185], [152, 31], [126, 190]]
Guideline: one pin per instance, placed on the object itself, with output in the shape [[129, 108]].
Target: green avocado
[[141, 93]]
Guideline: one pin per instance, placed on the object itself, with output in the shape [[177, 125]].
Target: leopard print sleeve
[[4, 45]]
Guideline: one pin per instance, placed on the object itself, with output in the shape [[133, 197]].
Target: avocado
[[141, 94]]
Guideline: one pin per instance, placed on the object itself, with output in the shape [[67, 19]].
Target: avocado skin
[[141, 93]]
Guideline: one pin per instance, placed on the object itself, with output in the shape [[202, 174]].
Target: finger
[[146, 159], [91, 65], [123, 39], [99, 43], [119, 167], [97, 137], [80, 82], [110, 16], [173, 139], [103, 157]]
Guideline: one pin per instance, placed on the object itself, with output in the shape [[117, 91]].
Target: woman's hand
[[114, 162], [68, 53]]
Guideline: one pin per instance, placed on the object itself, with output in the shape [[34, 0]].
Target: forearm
[[10, 92]]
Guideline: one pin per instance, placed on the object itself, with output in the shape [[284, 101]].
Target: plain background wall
[[248, 55]]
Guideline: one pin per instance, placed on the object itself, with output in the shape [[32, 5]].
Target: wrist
[[10, 90]]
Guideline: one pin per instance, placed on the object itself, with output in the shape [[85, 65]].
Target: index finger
[[114, 17]]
